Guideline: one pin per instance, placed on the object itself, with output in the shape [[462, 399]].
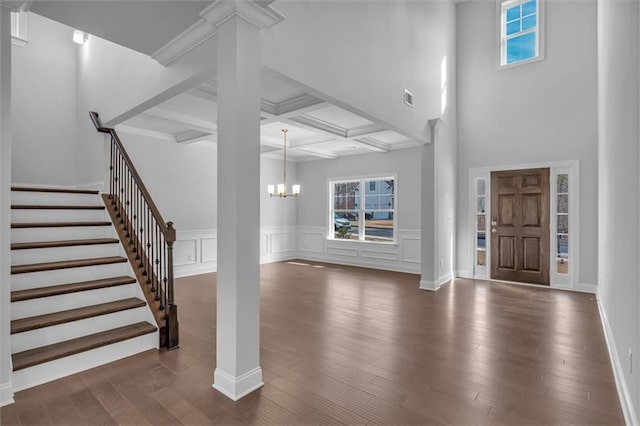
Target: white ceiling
[[316, 129], [142, 25]]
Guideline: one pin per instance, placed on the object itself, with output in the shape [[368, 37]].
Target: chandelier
[[282, 187]]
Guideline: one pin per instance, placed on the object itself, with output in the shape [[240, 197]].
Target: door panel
[[531, 255], [520, 226], [507, 210], [531, 210], [507, 259]]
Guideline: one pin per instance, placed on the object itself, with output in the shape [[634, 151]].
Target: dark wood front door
[[520, 226]]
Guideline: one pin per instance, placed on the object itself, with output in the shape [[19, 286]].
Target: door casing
[[559, 281]]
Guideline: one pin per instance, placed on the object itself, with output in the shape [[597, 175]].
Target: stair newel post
[[171, 311]]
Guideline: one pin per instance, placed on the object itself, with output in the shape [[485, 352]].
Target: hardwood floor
[[343, 345]]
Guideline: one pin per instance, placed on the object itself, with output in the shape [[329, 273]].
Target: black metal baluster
[[111, 171], [153, 254]]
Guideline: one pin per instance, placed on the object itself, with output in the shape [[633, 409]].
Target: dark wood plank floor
[[344, 345]]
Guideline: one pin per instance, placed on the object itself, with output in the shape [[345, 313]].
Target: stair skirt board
[[64, 302], [49, 371], [74, 329], [49, 278]]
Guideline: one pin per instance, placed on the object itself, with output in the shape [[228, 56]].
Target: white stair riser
[[63, 302], [41, 255], [71, 330], [43, 373], [69, 215], [67, 276], [54, 198], [26, 235]]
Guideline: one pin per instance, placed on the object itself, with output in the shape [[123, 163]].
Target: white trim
[[435, 285], [540, 27], [572, 168], [362, 209], [236, 388], [626, 400], [6, 394]]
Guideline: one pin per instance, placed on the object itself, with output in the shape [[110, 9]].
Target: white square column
[[6, 370], [238, 23]]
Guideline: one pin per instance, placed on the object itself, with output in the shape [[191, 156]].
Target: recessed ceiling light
[[80, 37]]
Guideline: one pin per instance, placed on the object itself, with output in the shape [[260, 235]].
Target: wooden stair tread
[[65, 264], [63, 243], [59, 224], [48, 320], [58, 190], [54, 207], [48, 353], [56, 290]]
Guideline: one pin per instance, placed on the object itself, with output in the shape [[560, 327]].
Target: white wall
[[313, 210], [618, 203], [6, 370], [540, 112], [365, 55], [43, 105], [182, 179]]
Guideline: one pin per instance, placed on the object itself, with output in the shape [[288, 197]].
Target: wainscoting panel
[[195, 252], [403, 256]]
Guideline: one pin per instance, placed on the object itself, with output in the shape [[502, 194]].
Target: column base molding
[[235, 388]]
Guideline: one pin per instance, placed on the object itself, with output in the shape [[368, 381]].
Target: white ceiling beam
[[193, 136], [373, 145], [187, 120], [318, 154], [122, 128]]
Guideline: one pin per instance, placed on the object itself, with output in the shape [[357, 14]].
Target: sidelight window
[[562, 223], [481, 223]]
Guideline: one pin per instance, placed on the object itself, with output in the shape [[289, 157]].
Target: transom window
[[520, 31], [363, 209]]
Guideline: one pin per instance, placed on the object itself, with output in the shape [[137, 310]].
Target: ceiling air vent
[[408, 98]]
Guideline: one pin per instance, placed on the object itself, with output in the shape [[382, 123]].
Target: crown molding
[[253, 12], [211, 18], [188, 40]]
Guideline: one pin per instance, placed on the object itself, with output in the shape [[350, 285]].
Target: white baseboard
[[460, 273], [435, 285], [6, 394], [195, 269], [626, 402], [587, 288], [237, 387], [396, 267]]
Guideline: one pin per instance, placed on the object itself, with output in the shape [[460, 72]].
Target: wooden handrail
[[146, 237], [152, 205]]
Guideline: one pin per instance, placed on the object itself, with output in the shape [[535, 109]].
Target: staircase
[[75, 298]]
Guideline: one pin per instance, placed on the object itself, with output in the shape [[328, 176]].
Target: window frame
[[501, 8], [331, 182]]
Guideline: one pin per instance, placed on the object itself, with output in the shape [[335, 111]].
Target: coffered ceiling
[[317, 129]]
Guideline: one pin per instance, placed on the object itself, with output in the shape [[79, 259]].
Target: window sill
[[501, 67]]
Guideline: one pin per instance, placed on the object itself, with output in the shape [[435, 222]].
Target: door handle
[[494, 222], [494, 230]]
